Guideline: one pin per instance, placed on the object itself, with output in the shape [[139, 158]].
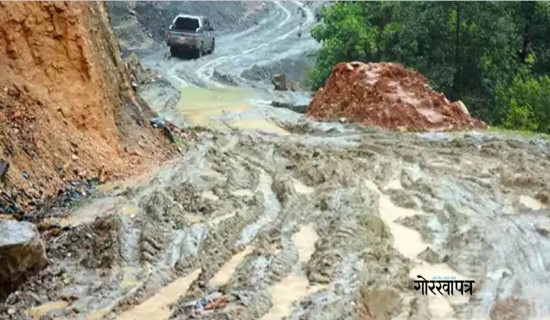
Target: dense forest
[[494, 56]]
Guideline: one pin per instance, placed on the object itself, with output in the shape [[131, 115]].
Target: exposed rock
[[543, 229], [4, 166], [300, 108], [22, 253], [279, 81]]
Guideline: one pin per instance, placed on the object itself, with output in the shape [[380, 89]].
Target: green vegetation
[[494, 56]]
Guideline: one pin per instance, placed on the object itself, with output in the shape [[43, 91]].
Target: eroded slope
[[68, 109]]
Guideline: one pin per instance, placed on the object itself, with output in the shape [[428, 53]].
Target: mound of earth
[[68, 110], [388, 95]]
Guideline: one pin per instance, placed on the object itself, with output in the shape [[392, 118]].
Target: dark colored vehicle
[[190, 34]]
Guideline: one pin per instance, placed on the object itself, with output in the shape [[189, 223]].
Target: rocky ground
[[270, 215]]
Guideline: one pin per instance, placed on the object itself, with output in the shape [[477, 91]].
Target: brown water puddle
[[158, 306], [198, 105], [409, 243], [301, 188], [228, 269], [295, 286], [532, 203], [394, 184]]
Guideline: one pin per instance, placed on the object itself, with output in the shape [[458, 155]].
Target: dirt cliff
[[388, 95], [67, 106]]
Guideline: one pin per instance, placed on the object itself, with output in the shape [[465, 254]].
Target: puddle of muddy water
[[200, 106], [197, 105], [531, 203], [295, 286], [301, 188], [394, 184], [158, 306], [228, 269], [304, 240]]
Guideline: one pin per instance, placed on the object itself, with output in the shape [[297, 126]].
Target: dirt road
[[307, 221]]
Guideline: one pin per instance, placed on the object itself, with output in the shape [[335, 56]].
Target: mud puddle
[[228, 269], [295, 286], [218, 108], [158, 306], [531, 203], [199, 105]]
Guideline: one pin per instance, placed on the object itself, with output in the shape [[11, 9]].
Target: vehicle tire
[[173, 52], [199, 53]]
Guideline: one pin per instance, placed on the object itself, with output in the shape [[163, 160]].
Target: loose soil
[[389, 96], [343, 218], [67, 108]]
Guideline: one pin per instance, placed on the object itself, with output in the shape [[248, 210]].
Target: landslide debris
[[68, 110], [387, 95]]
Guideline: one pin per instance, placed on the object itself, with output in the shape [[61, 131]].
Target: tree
[[467, 50]]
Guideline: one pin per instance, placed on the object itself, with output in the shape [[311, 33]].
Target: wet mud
[[250, 225], [303, 221]]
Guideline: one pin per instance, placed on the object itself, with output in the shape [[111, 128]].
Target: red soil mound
[[389, 96]]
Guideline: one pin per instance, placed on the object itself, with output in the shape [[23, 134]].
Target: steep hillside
[[67, 107]]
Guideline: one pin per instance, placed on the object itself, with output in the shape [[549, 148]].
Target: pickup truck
[[190, 34]]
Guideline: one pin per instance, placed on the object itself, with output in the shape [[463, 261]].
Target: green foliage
[[525, 104], [472, 51]]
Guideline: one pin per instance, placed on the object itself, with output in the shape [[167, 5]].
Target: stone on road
[[21, 253]]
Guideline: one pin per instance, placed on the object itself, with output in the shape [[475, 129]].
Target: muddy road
[[275, 38], [268, 215]]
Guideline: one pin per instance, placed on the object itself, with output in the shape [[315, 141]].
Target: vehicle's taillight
[[168, 35], [194, 38]]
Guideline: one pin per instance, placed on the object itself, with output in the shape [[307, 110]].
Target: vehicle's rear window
[[188, 24]]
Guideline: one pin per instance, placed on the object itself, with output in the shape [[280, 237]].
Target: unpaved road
[[319, 221], [274, 38]]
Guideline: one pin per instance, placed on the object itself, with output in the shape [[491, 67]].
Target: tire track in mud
[[204, 68], [205, 72], [218, 60], [192, 216]]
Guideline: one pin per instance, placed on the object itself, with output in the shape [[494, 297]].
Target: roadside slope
[[68, 110]]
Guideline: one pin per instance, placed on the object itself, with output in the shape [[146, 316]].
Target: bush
[[526, 104]]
